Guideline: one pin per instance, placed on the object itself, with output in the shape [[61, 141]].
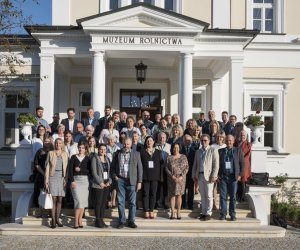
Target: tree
[[12, 18]]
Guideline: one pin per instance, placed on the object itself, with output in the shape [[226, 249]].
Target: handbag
[[259, 179], [45, 199]]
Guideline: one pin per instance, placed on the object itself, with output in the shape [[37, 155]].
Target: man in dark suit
[[229, 128], [189, 150], [102, 121], [231, 169], [211, 117], [127, 170], [70, 122], [91, 120]]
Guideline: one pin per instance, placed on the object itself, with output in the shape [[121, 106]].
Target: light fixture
[[141, 70]]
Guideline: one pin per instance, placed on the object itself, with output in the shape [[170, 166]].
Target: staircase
[[161, 226]]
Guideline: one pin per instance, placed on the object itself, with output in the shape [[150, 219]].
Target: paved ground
[[290, 242]]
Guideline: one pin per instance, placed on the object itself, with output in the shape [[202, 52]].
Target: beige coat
[[51, 162], [211, 164]]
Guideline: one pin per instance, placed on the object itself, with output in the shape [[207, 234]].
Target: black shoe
[[233, 218], [132, 224], [80, 226], [75, 227], [53, 224], [59, 224], [202, 217], [207, 217], [222, 217], [103, 224], [121, 225]]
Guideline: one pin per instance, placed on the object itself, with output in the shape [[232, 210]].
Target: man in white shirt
[[205, 173]]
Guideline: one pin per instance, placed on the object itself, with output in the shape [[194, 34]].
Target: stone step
[[157, 222], [166, 231], [165, 213]]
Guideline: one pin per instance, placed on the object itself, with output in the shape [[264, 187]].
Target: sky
[[40, 12]]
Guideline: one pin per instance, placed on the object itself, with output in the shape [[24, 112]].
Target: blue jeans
[[124, 188], [228, 183]]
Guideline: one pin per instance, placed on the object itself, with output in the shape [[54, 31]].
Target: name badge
[[126, 167], [228, 165], [105, 175], [150, 164]]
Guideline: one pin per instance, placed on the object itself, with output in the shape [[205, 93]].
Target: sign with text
[[141, 40]]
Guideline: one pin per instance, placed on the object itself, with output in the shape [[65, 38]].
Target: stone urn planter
[[256, 134], [26, 130]]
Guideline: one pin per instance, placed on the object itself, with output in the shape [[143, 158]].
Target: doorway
[[134, 102]]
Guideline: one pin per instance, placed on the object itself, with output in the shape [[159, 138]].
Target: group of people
[[110, 159]]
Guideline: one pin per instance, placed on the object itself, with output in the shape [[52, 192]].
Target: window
[[135, 1], [149, 1], [114, 4], [15, 104], [265, 15], [169, 5], [84, 103], [140, 99], [268, 96], [266, 107]]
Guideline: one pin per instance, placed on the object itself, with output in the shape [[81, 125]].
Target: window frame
[[278, 12], [275, 88], [15, 87]]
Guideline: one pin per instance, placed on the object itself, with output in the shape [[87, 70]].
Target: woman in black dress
[[153, 165]]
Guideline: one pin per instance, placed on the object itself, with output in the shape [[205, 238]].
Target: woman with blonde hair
[[214, 128], [176, 135], [55, 178], [196, 136], [190, 126], [60, 132]]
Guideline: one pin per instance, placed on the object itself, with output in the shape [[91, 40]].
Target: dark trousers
[[149, 195], [38, 185], [162, 187], [188, 197], [228, 184], [99, 197]]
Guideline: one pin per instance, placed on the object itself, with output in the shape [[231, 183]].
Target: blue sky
[[40, 12]]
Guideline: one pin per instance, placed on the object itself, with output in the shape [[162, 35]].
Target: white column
[[98, 81], [221, 14], [236, 90], [47, 75], [217, 95], [185, 95]]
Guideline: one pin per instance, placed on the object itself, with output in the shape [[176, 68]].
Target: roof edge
[[150, 6]]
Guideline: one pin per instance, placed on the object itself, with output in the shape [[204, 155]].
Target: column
[[185, 93], [47, 74], [98, 81], [236, 89], [217, 95]]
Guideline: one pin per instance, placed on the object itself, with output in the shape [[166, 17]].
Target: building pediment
[[141, 18]]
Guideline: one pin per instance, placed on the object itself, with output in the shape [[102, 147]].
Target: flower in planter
[[254, 120], [27, 118]]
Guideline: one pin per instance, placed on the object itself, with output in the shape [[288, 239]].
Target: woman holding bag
[[101, 180], [78, 176], [55, 178]]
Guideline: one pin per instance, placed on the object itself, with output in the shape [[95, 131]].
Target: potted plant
[[26, 121], [256, 124]]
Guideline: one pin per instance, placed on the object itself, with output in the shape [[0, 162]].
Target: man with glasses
[[146, 119], [229, 128], [230, 172], [205, 173]]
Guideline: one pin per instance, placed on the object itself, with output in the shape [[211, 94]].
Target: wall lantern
[[141, 70]]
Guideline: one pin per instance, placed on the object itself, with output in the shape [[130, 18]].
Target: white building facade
[[201, 56]]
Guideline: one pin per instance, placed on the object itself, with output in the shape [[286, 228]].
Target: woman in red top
[[246, 148]]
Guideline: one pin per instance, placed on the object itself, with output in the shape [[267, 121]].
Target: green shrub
[[283, 209], [291, 213], [274, 206], [297, 216]]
